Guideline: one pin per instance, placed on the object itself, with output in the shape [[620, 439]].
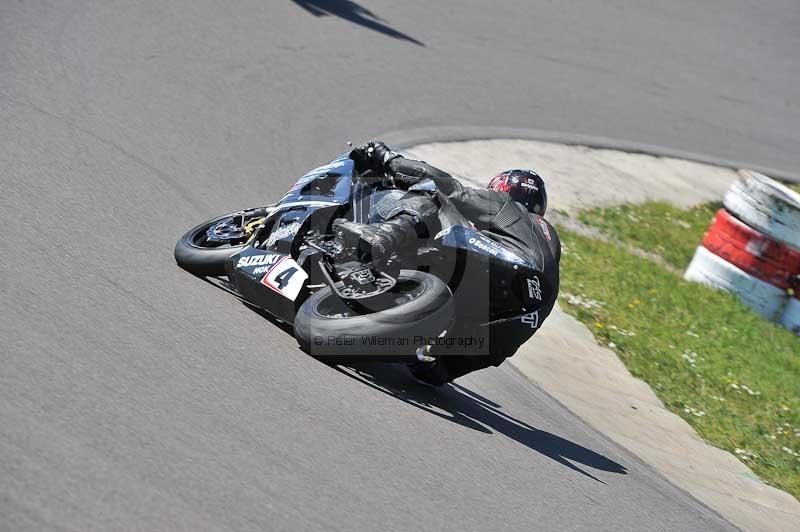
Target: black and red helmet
[[524, 186]]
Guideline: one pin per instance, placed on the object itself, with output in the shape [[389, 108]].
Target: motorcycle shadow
[[460, 405], [455, 403]]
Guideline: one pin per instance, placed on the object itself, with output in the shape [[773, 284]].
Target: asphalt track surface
[[135, 396]]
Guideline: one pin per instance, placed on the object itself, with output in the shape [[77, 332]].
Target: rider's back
[[509, 223], [531, 237]]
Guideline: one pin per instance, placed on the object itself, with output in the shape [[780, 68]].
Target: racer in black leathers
[[511, 318]]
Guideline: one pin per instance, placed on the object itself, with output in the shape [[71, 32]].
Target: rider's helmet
[[524, 186]]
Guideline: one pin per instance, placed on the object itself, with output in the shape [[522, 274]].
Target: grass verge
[[732, 375], [657, 227]]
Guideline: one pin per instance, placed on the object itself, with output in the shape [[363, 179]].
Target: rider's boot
[[430, 373], [380, 240]]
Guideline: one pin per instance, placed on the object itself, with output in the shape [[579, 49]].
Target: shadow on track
[[355, 13], [457, 404], [461, 405]]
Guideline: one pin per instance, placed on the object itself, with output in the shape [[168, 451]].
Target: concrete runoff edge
[[403, 139], [711, 512]]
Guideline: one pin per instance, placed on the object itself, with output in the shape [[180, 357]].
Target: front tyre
[[204, 249], [384, 327]]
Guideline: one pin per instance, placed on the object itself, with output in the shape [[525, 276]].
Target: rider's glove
[[379, 155]]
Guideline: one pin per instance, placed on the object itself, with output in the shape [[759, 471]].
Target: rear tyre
[[386, 327], [716, 272], [791, 316], [766, 205], [751, 250]]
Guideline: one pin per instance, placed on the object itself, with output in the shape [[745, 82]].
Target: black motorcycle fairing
[[330, 183], [282, 238], [458, 254]]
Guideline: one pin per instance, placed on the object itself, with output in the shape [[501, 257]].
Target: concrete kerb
[[406, 138]]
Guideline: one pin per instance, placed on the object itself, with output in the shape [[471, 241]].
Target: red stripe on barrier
[[752, 251]]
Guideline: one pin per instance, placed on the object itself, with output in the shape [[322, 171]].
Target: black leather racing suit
[[527, 235]]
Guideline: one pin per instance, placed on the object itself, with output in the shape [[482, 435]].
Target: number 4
[[283, 278]]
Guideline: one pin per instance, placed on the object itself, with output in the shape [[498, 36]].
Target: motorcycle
[[286, 259]]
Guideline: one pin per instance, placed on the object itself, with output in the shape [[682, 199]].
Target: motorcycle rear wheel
[[387, 327]]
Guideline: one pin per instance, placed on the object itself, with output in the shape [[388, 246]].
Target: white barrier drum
[[711, 270], [766, 205], [791, 316]]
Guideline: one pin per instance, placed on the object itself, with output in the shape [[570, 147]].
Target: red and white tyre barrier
[[791, 316], [712, 270], [766, 205], [752, 251]]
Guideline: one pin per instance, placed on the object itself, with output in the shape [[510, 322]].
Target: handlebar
[[361, 156]]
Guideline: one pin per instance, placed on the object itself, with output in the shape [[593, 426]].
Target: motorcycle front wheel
[[204, 249]]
